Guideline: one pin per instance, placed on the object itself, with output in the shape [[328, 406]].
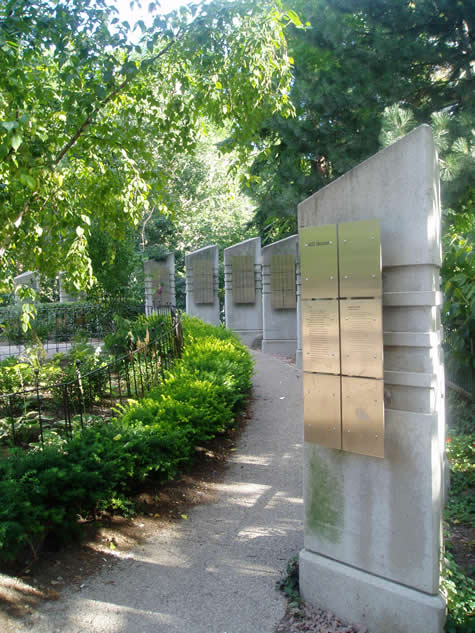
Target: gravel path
[[216, 571]]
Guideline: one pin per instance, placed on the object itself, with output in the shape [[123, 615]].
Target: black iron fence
[[27, 416], [57, 324]]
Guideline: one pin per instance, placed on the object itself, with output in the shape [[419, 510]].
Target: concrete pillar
[[298, 353], [64, 296], [279, 297], [202, 284], [159, 284], [28, 278], [373, 526], [243, 295]]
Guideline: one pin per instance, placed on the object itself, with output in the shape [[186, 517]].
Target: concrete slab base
[[286, 347], [251, 338], [361, 598]]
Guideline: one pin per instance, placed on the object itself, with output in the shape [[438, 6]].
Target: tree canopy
[[83, 113]]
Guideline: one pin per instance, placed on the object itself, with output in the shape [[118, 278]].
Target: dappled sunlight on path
[[216, 571]]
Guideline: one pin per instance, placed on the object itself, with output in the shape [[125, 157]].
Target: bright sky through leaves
[[142, 13]]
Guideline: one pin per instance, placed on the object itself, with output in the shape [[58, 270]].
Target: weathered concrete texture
[[244, 318], [209, 311], [279, 325], [350, 593], [382, 516], [159, 283], [398, 186], [216, 571]]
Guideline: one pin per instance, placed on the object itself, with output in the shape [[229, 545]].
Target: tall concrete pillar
[[373, 525], [159, 284], [298, 353], [279, 297], [202, 284], [243, 290]]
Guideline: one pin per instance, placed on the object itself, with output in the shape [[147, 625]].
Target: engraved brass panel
[[319, 262], [243, 279], [282, 282], [361, 337], [322, 410], [203, 281], [359, 246], [320, 336], [363, 416]]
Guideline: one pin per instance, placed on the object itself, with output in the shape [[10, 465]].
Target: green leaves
[[84, 114]]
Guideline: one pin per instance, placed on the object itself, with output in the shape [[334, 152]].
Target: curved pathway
[[215, 572]]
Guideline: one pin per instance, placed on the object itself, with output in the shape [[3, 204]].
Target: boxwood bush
[[45, 491]]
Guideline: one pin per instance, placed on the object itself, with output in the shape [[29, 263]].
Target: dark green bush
[[44, 492], [118, 341]]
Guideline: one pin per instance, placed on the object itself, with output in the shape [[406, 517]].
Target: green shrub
[[44, 492], [118, 341], [456, 582]]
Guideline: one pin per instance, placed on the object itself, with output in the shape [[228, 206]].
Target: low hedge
[[45, 491]]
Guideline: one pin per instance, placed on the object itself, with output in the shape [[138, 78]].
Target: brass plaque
[[203, 281], [319, 262], [320, 336], [361, 337], [243, 279], [282, 282], [362, 401], [359, 246], [322, 410]]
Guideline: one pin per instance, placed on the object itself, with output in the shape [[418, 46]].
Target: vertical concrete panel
[[279, 324], [378, 526], [208, 311], [244, 318], [159, 283]]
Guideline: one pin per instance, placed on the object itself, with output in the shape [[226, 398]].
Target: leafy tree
[[356, 60], [79, 103]]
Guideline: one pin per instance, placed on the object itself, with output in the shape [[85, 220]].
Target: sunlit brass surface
[[243, 279], [319, 262], [359, 245], [282, 282], [363, 416], [361, 337], [322, 410], [342, 336], [320, 336], [203, 281]]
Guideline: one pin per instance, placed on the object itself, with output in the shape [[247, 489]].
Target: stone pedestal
[[243, 295], [202, 284], [279, 297], [373, 526], [159, 284]]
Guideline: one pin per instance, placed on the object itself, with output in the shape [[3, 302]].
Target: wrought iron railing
[[26, 415], [57, 324]]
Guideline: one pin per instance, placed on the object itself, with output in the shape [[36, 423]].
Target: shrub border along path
[[215, 570], [44, 492]]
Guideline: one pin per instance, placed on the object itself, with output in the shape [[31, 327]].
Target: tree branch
[[87, 122]]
